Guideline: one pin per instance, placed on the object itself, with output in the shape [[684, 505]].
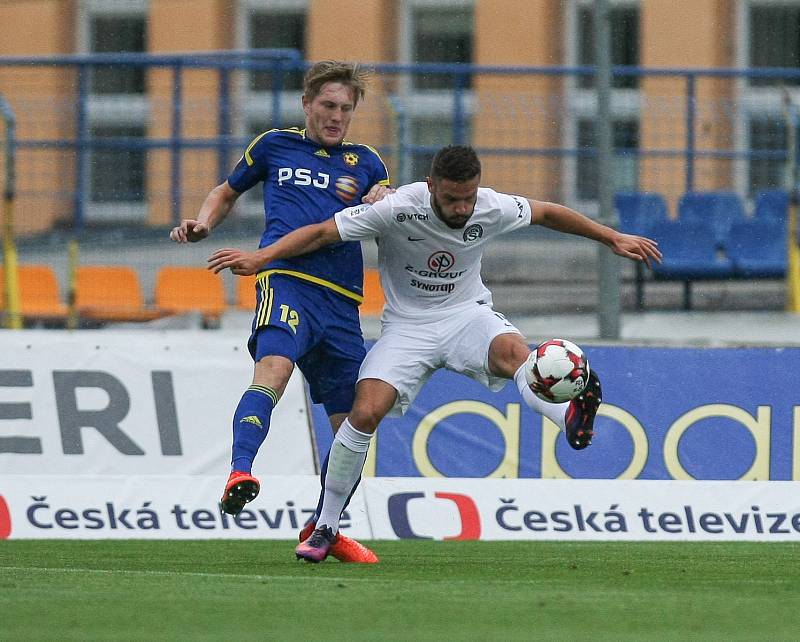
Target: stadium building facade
[[536, 129]]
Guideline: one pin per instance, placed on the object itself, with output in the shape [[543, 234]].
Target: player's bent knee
[[506, 354], [365, 418], [365, 423]]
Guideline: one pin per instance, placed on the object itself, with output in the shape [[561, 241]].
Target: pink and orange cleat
[[343, 548]]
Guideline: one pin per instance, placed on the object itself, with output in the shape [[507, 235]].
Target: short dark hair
[[458, 163], [351, 74]]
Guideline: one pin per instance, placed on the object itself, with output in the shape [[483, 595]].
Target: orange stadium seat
[[111, 293], [40, 299], [246, 292], [373, 294], [182, 289]]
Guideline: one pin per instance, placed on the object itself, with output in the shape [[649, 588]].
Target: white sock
[[555, 412], [346, 461]]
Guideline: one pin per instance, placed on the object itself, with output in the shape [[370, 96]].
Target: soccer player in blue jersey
[[307, 306]]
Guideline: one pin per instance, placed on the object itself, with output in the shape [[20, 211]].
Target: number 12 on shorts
[[290, 317]]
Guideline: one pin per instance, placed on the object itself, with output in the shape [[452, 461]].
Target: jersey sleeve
[[364, 221], [515, 212], [380, 174], [252, 166]]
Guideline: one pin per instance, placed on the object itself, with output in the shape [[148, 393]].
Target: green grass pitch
[[421, 590]]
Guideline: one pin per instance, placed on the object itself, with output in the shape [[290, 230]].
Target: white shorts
[[408, 352]]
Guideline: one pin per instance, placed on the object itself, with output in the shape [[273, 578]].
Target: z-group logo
[[407, 509]]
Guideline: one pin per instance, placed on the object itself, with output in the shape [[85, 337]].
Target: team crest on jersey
[[346, 188], [323, 153], [473, 233], [350, 158]]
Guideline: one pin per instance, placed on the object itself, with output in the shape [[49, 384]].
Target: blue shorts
[[315, 328]]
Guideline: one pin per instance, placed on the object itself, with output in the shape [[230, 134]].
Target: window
[[442, 35], [270, 96], [768, 145], [433, 31], [774, 40], [116, 34], [277, 30], [432, 133], [624, 43], [626, 168], [117, 173], [118, 110]]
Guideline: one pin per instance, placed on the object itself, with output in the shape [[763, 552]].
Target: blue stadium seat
[[772, 204], [690, 253], [689, 250], [718, 209], [638, 210], [758, 248]]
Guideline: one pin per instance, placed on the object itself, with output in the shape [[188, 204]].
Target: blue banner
[[667, 413]]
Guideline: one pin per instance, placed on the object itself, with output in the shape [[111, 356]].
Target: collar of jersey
[[342, 144]]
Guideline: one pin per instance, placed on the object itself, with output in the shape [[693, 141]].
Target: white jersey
[[429, 270]]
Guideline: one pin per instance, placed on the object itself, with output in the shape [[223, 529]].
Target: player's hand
[[189, 231], [636, 248], [376, 193], [239, 262]]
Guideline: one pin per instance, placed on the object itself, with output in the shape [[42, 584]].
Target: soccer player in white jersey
[[438, 313]]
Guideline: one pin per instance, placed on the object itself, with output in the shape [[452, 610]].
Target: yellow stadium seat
[[246, 292], [182, 289], [373, 293], [111, 293], [39, 295]]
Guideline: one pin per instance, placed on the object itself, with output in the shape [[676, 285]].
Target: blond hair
[[351, 74]]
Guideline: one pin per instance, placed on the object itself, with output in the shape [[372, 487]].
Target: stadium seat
[[39, 294], [638, 210], [246, 292], [111, 293], [373, 294], [182, 289], [772, 204], [758, 248], [690, 253], [718, 209]]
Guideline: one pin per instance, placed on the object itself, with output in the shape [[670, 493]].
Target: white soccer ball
[[557, 370]]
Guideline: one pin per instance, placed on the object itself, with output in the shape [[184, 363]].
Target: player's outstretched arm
[[213, 211], [563, 219], [300, 241]]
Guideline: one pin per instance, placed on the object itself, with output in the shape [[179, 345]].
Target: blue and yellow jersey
[[307, 183]]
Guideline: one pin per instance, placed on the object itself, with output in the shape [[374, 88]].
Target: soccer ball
[[557, 371]]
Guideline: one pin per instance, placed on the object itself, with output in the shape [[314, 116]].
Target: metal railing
[[461, 105], [182, 129]]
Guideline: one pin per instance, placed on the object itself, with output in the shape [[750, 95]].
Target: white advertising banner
[[186, 507], [532, 509], [159, 507], [136, 403]]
